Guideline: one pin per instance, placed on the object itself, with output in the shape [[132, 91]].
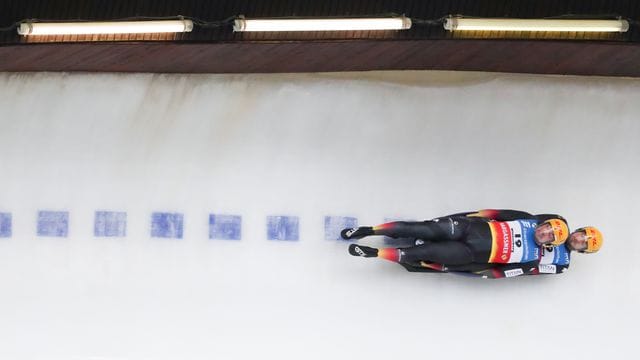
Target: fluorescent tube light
[[456, 24], [320, 24], [104, 27]]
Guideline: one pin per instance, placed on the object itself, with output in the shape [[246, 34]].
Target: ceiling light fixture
[[104, 27], [560, 25], [242, 24]]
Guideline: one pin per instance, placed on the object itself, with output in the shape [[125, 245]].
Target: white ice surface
[[369, 145]]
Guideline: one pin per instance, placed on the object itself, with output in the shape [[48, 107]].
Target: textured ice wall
[[247, 158]]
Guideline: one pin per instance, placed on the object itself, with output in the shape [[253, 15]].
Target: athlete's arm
[[423, 269], [549, 269], [461, 214], [509, 270], [436, 268], [503, 215], [487, 271], [496, 214]]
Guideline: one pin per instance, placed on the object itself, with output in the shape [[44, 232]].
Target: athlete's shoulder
[[545, 217]]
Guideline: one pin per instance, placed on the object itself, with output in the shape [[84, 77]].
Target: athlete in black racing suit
[[469, 242], [553, 260]]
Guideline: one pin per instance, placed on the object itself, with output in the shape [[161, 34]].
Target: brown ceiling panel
[[220, 50]]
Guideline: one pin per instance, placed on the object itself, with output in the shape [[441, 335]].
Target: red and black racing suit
[[494, 271], [462, 241]]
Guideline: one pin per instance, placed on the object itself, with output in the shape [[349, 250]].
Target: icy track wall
[[196, 217]]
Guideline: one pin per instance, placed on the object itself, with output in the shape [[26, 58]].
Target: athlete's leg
[[445, 252], [440, 229], [427, 230]]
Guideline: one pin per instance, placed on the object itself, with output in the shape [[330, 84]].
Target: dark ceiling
[[220, 50]]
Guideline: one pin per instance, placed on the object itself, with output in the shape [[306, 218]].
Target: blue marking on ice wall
[[166, 225], [225, 227], [334, 224], [282, 228], [5, 225], [53, 223], [110, 224]]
